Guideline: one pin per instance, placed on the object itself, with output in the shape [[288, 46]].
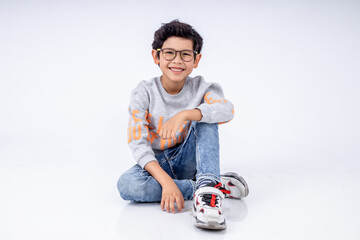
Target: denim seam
[[183, 144], [197, 154], [163, 160], [172, 170], [142, 172]]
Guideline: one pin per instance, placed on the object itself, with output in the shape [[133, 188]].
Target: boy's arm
[[170, 191], [214, 107], [138, 140], [138, 129], [170, 127]]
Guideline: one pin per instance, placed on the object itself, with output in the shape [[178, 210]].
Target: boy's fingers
[[162, 204], [162, 133], [167, 204], [166, 134], [172, 205], [179, 204]]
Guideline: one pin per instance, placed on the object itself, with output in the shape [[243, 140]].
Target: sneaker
[[233, 186], [207, 209]]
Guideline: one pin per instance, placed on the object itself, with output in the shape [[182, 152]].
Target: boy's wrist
[[168, 183], [192, 115], [158, 173]]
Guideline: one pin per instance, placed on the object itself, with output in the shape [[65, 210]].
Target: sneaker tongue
[[212, 184], [210, 199], [206, 196]]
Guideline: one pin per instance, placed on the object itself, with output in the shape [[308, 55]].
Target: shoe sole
[[211, 225], [238, 178]]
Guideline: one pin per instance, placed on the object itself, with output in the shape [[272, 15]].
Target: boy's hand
[[170, 127], [170, 195]]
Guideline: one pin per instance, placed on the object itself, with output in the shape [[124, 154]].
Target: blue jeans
[[194, 159]]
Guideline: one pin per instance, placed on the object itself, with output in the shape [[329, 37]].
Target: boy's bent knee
[[206, 125], [139, 189], [212, 127], [123, 187], [127, 184]]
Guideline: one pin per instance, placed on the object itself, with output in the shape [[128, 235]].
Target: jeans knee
[[208, 128], [138, 188], [203, 125], [123, 187]]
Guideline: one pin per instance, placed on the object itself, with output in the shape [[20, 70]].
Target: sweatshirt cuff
[[145, 160], [205, 112]]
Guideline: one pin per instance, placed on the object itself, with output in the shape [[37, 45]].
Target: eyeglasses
[[170, 54]]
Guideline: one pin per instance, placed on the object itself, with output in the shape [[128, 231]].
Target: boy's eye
[[186, 54], [169, 52]]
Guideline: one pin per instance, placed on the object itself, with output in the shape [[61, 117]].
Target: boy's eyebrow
[[176, 49]]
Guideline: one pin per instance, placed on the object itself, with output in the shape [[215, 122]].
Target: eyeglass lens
[[170, 54]]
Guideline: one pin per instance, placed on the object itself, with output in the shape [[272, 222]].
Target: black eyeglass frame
[[176, 52]]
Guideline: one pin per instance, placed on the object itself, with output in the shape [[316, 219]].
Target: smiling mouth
[[176, 69]]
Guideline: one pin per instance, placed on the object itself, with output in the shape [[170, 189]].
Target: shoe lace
[[222, 189], [210, 199]]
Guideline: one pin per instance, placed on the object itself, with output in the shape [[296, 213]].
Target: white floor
[[74, 196]]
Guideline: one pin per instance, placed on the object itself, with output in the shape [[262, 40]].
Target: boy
[[173, 133]]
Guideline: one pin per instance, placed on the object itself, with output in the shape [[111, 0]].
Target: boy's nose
[[177, 57]]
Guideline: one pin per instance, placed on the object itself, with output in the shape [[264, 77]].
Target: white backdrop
[[291, 68]]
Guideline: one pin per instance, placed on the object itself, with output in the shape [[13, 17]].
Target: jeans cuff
[[208, 176]]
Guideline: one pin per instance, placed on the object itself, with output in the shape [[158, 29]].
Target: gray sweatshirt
[[151, 106]]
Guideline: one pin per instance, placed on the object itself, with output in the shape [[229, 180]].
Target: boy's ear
[[197, 60], [154, 54]]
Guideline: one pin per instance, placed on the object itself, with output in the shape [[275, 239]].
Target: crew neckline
[[164, 92]]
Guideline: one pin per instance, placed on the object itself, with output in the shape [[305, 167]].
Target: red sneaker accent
[[213, 198], [225, 191], [230, 184]]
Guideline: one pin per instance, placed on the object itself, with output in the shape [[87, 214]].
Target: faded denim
[[194, 159]]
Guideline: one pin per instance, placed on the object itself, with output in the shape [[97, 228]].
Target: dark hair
[[176, 28]]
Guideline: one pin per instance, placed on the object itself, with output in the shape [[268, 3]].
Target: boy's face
[[175, 71]]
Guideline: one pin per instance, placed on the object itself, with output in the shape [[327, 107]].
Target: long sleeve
[[151, 107], [138, 129], [214, 107]]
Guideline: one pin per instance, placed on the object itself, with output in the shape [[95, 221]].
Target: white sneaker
[[233, 186], [207, 208]]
